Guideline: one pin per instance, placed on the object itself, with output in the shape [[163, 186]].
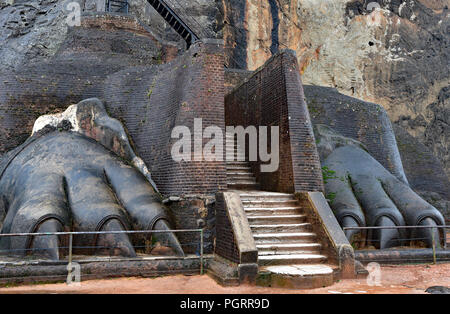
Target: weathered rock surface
[[368, 124], [202, 16], [30, 30], [424, 171], [396, 56], [102, 45]]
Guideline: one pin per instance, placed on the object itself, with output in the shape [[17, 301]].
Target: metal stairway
[[171, 17]]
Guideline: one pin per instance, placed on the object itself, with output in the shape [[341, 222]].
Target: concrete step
[[285, 252], [288, 259], [237, 158], [281, 228], [237, 163], [243, 180], [266, 196], [237, 171], [250, 180], [288, 247], [270, 203], [242, 186], [284, 237], [264, 211], [244, 166], [240, 175], [275, 219], [299, 276]]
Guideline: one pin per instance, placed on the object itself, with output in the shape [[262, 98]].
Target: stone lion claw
[[74, 174], [363, 193]]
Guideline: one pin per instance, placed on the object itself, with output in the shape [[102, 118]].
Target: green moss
[[328, 174], [331, 197], [158, 59], [150, 89], [314, 107]]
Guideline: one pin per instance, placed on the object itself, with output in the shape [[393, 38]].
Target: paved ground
[[394, 279]]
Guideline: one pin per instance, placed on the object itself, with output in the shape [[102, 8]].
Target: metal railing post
[[201, 252], [434, 245], [70, 248], [69, 268], [445, 238]]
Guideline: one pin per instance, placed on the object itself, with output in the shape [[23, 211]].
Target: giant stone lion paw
[[363, 193], [74, 174]]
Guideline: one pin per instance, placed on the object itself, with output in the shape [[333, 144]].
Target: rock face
[[424, 171], [30, 30], [33, 31], [398, 151], [102, 45], [202, 16], [396, 56]]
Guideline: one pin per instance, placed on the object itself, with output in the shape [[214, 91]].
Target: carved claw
[[386, 238], [350, 222], [168, 238], [115, 244], [428, 234], [47, 246]]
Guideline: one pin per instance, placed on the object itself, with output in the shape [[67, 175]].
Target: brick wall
[[101, 46], [151, 101], [273, 96], [225, 243], [234, 77]]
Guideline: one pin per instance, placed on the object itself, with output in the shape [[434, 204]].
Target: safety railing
[[408, 241], [73, 248]]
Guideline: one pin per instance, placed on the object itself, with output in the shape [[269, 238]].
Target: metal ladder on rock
[[117, 6], [167, 13], [174, 20]]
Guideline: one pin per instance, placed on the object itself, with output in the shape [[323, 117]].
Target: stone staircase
[[287, 246], [280, 230], [239, 173]]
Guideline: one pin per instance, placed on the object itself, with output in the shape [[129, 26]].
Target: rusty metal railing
[[444, 240], [197, 246]]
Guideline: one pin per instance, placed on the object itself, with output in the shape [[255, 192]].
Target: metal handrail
[[71, 234], [395, 227], [96, 232], [408, 227], [158, 4]]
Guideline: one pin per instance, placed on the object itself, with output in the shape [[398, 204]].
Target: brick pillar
[[305, 158]]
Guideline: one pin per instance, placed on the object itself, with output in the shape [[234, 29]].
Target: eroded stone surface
[[396, 56], [300, 270]]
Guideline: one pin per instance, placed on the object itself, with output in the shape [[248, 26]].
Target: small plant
[[159, 58], [150, 89], [328, 174], [331, 197]]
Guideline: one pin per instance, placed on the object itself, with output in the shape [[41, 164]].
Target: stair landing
[[296, 276]]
